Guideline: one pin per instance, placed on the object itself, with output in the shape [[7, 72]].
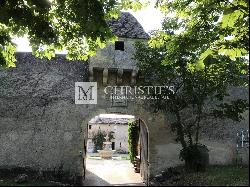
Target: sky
[[150, 19]]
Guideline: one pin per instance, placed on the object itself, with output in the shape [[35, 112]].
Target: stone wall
[[219, 135], [40, 125], [42, 128], [115, 59]]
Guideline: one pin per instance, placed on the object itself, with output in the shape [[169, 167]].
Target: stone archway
[[145, 161]]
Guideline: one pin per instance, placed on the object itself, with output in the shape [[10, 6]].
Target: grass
[[217, 176], [125, 158], [94, 158], [233, 176]]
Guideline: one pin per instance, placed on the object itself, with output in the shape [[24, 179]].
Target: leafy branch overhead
[[212, 27], [78, 26]]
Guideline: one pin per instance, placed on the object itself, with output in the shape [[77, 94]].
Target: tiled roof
[[111, 119]]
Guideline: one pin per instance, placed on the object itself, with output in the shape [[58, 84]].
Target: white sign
[[86, 93]]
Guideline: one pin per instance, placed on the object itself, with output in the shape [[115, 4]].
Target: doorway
[[117, 170]]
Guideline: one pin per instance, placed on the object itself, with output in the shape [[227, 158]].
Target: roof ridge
[[127, 26]]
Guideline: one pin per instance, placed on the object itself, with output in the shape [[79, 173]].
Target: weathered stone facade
[[41, 127], [110, 123], [120, 134]]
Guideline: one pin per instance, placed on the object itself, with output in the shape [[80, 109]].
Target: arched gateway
[[42, 129]]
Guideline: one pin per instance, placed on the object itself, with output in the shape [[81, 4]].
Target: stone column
[[119, 76], [91, 74], [133, 77], [105, 76]]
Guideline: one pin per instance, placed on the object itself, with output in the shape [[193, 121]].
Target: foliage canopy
[[78, 26], [214, 27]]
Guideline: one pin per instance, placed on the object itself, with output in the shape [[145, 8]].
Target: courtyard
[[111, 173]]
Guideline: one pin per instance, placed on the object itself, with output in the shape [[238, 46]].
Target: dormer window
[[119, 45]]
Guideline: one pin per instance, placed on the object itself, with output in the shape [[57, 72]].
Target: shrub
[[196, 157], [133, 138]]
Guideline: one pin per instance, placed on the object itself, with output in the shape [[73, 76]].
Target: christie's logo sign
[[86, 93]]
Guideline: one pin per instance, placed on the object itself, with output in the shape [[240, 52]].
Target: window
[[113, 145], [90, 126], [119, 45]]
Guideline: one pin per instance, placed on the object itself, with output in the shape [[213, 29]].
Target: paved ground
[[114, 155], [111, 173]]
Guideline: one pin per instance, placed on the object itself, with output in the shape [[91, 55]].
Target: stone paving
[[111, 173]]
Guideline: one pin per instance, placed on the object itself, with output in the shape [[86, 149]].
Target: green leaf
[[229, 19]]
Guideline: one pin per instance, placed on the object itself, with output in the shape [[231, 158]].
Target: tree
[[199, 79], [227, 20], [99, 138], [78, 26]]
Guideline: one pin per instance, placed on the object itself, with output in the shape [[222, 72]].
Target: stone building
[[110, 123], [42, 128]]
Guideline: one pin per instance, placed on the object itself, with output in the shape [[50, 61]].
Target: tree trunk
[[180, 132]]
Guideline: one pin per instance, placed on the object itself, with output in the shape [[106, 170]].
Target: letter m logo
[[86, 93]]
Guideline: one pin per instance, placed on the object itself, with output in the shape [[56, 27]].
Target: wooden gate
[[144, 152]]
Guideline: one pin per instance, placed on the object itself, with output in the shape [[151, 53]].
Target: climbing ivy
[[133, 138]]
